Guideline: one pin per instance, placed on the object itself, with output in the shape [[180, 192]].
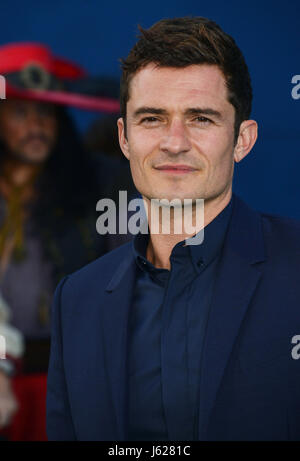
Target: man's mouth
[[37, 139], [175, 169]]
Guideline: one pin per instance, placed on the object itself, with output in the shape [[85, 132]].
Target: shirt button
[[200, 263]]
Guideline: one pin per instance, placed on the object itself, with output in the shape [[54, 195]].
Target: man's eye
[[149, 119], [203, 119]]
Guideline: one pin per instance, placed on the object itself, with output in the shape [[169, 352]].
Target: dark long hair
[[64, 211], [68, 183]]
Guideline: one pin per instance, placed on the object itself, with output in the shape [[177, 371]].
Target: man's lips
[[176, 169], [40, 139]]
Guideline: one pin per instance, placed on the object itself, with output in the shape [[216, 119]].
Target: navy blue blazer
[[250, 373]]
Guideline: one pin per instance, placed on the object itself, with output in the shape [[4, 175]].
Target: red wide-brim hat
[[32, 72]]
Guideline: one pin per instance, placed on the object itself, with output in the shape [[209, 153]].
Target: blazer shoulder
[[100, 271], [282, 232], [288, 226]]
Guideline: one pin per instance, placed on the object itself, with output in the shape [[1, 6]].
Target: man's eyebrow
[[204, 111], [191, 111], [149, 110]]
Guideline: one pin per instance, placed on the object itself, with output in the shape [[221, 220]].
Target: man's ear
[[122, 138], [246, 139]]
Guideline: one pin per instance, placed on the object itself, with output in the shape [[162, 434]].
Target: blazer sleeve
[[59, 420]]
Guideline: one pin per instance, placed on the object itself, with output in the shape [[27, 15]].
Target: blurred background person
[[11, 351], [49, 187]]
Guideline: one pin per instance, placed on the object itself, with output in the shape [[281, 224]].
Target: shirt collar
[[201, 255]]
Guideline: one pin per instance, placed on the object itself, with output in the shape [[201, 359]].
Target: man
[[12, 347], [49, 187], [162, 340]]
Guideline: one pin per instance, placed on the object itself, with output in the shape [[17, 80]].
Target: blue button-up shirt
[[166, 332]]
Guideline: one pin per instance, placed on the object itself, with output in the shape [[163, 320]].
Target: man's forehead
[[12, 103], [156, 85]]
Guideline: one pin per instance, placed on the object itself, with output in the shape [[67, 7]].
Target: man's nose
[[34, 120], [175, 139]]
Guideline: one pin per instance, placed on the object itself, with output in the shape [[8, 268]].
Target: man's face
[[180, 132], [28, 129]]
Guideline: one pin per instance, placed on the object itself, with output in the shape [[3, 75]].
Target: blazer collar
[[122, 270], [237, 278], [245, 239]]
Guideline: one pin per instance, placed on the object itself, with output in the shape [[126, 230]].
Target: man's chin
[[180, 198], [32, 158]]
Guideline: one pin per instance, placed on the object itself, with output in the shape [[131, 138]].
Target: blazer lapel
[[115, 325], [237, 279]]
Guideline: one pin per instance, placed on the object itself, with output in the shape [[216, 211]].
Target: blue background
[[97, 34]]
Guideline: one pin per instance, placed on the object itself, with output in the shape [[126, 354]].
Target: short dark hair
[[180, 42]]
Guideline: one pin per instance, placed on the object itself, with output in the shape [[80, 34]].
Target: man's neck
[[160, 245]]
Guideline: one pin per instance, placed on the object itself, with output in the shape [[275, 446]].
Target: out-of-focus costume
[[55, 233]]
